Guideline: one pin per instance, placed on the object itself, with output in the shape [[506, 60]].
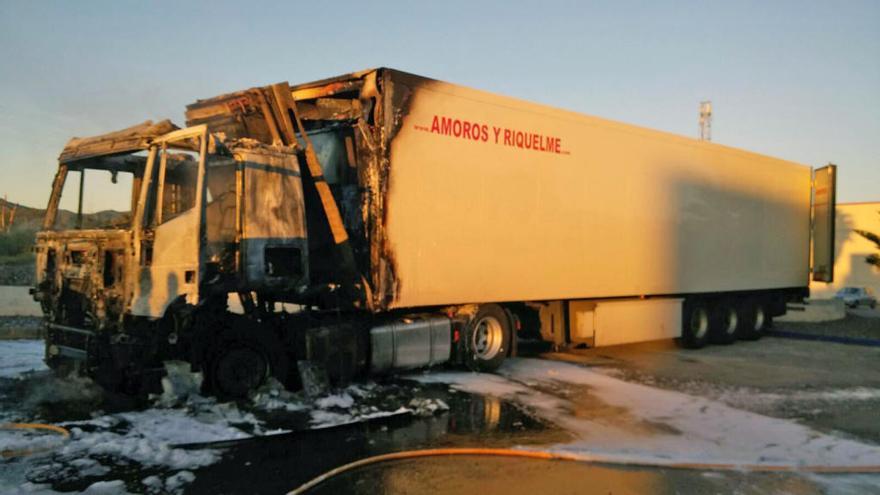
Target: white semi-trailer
[[417, 222]]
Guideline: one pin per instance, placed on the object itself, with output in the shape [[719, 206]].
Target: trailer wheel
[[756, 320], [695, 324], [487, 339], [725, 324]]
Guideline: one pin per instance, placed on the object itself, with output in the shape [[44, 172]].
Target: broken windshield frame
[[78, 176], [74, 181]]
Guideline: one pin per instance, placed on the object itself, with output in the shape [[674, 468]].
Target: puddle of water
[[510, 476], [276, 464], [283, 462], [470, 420]]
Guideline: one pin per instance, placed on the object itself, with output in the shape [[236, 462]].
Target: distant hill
[[16, 258], [27, 218]]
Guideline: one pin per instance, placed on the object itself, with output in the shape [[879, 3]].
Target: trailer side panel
[[496, 199]]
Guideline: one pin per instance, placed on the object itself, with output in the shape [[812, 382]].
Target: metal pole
[[79, 208]]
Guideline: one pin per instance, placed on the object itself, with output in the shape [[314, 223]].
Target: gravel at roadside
[[21, 327], [17, 274]]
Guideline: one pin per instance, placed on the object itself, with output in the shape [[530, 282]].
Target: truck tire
[[242, 359], [487, 339], [725, 322], [237, 370], [695, 324], [756, 320]]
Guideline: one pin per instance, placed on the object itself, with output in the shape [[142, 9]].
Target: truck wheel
[[726, 320], [487, 339], [238, 359], [756, 320], [695, 325], [237, 369]]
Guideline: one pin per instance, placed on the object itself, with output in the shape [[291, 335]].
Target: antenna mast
[[706, 120]]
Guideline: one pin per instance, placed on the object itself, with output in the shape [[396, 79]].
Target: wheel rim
[[759, 319], [240, 370], [731, 319], [487, 338], [699, 323]]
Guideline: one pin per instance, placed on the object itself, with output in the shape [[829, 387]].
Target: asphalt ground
[[833, 389]]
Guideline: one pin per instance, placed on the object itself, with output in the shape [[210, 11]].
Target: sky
[[798, 80]]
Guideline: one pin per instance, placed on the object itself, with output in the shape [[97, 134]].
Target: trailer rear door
[[824, 200]]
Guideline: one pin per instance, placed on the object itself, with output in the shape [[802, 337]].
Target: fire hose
[[32, 426], [583, 457]]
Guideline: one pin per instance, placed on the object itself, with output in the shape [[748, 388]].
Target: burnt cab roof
[[127, 140]]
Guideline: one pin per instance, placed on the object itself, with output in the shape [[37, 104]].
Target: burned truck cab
[[274, 198], [122, 290], [82, 259]]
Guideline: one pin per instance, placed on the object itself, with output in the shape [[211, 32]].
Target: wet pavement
[[283, 462], [827, 386], [473, 420], [489, 475], [775, 401]]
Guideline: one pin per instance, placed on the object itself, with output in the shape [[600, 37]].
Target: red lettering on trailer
[[477, 131]]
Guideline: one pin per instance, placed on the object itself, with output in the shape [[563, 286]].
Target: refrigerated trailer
[[411, 222]]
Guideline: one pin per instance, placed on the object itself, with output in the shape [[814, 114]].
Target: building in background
[[850, 250]]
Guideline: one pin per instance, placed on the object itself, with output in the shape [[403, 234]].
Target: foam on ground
[[634, 422]]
